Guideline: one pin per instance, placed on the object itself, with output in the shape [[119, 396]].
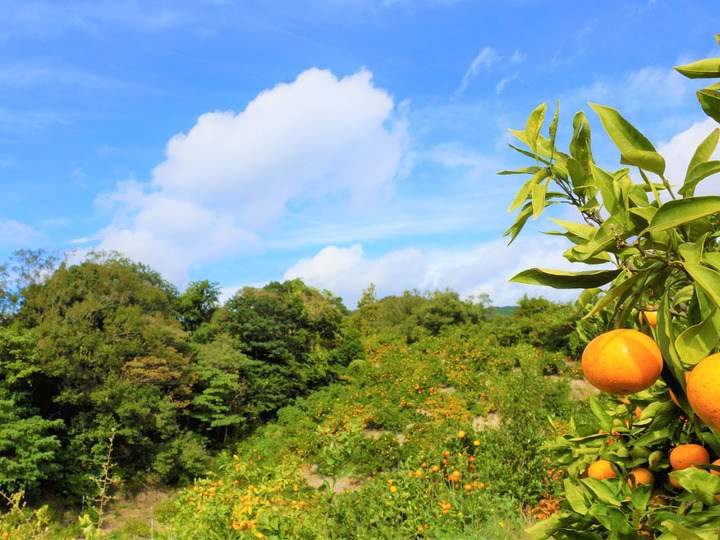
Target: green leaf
[[522, 217], [606, 184], [538, 199], [577, 229], [650, 161], [699, 482], [617, 291], [554, 125], [680, 531], [580, 143], [710, 102], [696, 342], [585, 297], [604, 419], [707, 279], [575, 498], [704, 151], [698, 173], [522, 170], [625, 136], [601, 490], [692, 252], [681, 211], [709, 68], [521, 196], [560, 279], [712, 258], [533, 126]]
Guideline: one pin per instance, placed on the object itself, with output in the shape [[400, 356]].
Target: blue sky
[[341, 141]]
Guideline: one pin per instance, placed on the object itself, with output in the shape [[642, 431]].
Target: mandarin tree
[[653, 246]]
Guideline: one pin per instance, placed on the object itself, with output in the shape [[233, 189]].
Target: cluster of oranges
[[625, 361]]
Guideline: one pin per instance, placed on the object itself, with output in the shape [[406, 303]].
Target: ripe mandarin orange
[[622, 362], [651, 317], [703, 389], [601, 469], [687, 455], [641, 476]]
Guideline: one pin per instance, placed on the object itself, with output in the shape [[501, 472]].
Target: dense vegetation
[[105, 358]]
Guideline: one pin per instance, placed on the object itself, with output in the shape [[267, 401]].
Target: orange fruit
[[638, 413], [672, 396], [651, 317], [687, 455], [716, 462], [601, 469], [703, 389], [641, 476], [622, 362]]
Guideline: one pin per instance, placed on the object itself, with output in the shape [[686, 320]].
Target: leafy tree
[[197, 304], [109, 356], [29, 444]]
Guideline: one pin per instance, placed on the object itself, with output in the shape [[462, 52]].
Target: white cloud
[[487, 57], [14, 233], [637, 90], [485, 268], [315, 141], [315, 137], [679, 151]]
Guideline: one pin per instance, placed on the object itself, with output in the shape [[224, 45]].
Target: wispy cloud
[[487, 57]]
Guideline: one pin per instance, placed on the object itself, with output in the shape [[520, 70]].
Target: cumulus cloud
[[319, 140], [485, 268], [680, 149]]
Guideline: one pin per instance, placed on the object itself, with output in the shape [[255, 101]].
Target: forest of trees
[[107, 347]]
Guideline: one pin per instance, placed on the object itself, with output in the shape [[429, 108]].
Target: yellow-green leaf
[[559, 279]]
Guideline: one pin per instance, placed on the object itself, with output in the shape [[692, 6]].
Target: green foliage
[[664, 248], [197, 304], [416, 315]]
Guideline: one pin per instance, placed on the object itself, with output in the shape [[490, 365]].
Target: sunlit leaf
[[697, 341], [708, 68], [650, 161], [681, 211], [625, 136], [560, 279], [710, 102], [708, 280], [533, 126]]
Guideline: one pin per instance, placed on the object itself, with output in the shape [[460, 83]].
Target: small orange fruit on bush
[[651, 317], [687, 455], [622, 362], [703, 389], [641, 476], [601, 469]]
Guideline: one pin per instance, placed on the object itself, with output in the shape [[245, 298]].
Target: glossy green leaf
[[691, 252], [521, 196], [521, 135], [575, 498], [580, 143], [712, 258], [708, 68], [522, 170], [533, 126], [617, 291], [699, 482], [703, 153], [650, 161], [560, 279], [625, 136], [681, 211], [538, 199], [698, 173], [554, 124], [585, 297], [680, 531], [710, 102], [605, 183], [578, 229], [601, 490], [665, 338], [707, 279], [696, 342]]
